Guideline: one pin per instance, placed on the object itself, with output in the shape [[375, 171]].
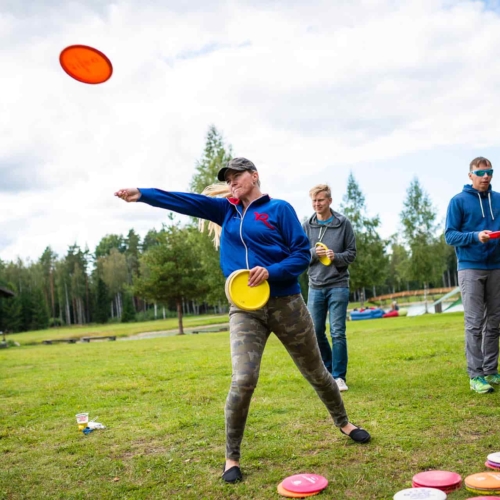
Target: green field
[[162, 401]]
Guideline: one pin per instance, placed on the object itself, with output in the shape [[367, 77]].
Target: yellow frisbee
[[248, 298], [324, 259]]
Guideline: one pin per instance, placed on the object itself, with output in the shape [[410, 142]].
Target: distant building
[[6, 293]]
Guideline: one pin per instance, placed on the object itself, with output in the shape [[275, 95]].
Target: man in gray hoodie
[[333, 248]]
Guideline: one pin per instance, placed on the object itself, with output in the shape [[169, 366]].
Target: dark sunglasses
[[482, 173]]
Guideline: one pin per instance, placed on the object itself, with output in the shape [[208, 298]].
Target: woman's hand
[[257, 276], [129, 194]]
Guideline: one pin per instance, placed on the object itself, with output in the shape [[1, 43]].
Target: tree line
[[175, 270]]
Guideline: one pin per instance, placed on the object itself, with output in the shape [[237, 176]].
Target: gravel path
[[175, 331]]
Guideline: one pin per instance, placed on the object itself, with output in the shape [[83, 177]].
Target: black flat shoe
[[358, 435], [232, 475]]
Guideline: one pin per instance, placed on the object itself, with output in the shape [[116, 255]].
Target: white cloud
[[308, 91]]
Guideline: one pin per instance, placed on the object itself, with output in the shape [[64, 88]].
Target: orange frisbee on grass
[[305, 483], [291, 494], [487, 483], [86, 64]]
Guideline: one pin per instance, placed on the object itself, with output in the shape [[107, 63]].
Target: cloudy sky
[[308, 90]]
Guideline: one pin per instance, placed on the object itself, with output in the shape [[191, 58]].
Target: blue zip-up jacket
[[267, 234], [469, 213]]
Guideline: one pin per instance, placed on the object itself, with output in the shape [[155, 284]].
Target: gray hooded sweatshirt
[[338, 236]]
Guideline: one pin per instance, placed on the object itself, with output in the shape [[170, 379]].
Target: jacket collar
[[338, 220], [237, 202]]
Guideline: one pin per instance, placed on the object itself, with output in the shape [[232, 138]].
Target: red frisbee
[[494, 235], [305, 483], [86, 64], [492, 465], [439, 479]]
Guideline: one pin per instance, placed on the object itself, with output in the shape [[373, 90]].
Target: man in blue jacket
[[471, 218]]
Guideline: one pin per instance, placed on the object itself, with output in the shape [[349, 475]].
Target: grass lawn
[[162, 401]]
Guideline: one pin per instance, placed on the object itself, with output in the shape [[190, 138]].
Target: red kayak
[[391, 314]]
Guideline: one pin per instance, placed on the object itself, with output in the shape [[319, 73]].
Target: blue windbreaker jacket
[[267, 234], [469, 213]]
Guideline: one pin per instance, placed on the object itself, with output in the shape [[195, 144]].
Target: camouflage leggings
[[289, 319]]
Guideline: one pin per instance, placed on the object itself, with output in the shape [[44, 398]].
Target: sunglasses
[[482, 173]]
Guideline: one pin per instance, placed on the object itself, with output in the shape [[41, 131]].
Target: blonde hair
[[477, 162], [320, 188], [214, 190]]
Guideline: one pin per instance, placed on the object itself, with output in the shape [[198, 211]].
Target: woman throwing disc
[[264, 236]]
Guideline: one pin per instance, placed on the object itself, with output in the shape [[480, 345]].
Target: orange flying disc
[[483, 482], [86, 64], [291, 494]]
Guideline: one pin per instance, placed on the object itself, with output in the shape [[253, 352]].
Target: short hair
[[319, 189], [479, 161]]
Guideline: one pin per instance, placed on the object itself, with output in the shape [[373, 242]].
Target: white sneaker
[[341, 384]]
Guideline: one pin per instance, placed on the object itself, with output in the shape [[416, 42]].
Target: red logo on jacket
[[264, 218]]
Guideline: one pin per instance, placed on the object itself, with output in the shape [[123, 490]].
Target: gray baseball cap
[[239, 164]]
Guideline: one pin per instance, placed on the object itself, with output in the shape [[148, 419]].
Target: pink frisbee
[[440, 479], [484, 498], [305, 483]]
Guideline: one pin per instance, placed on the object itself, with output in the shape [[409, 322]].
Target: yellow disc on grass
[[249, 298]]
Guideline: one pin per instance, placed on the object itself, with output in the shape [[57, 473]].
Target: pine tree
[[370, 267], [132, 252], [12, 313], [26, 300], [418, 218], [214, 158], [40, 313], [47, 262], [150, 240], [109, 242], [102, 300], [128, 313], [399, 260]]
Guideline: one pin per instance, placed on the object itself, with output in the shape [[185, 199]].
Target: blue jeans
[[333, 301]]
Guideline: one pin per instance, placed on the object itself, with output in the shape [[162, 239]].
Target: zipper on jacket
[[241, 231]]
